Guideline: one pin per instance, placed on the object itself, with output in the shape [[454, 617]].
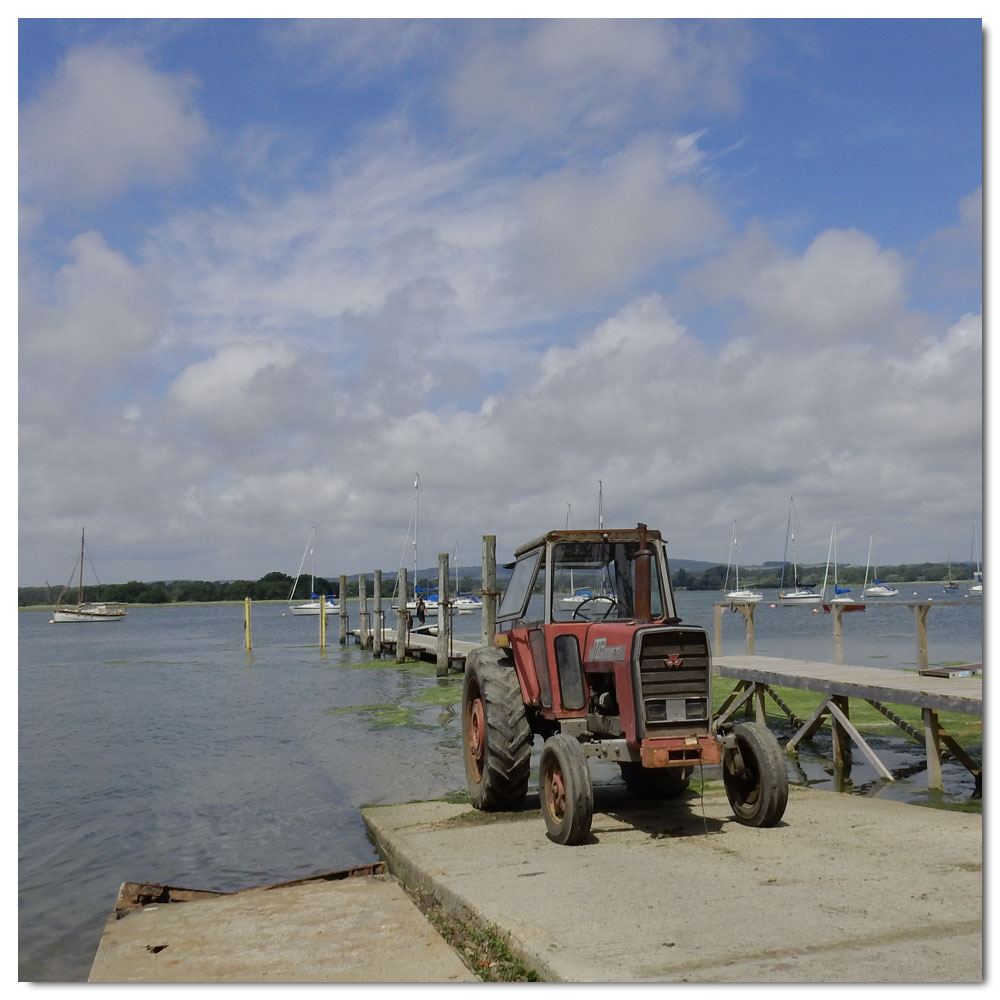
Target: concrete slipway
[[845, 889]]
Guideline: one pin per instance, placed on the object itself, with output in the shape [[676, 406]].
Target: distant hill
[[691, 564]]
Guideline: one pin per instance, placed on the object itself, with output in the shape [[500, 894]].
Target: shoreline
[[354, 600]]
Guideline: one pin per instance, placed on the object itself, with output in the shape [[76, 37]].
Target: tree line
[[274, 586], [769, 576]]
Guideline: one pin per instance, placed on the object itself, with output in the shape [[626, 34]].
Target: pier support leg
[[838, 632], [489, 588], [920, 611], [401, 616], [836, 706], [377, 633], [932, 743], [841, 740], [444, 617], [343, 611], [747, 611], [364, 636]]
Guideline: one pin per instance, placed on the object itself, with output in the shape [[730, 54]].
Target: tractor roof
[[587, 535]]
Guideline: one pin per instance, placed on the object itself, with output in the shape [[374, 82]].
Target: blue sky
[[271, 269]]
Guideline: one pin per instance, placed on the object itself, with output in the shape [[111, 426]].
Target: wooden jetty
[[838, 683], [422, 645]]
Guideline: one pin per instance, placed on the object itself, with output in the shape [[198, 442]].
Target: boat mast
[[831, 550], [736, 557], [729, 565], [569, 524], [600, 504], [79, 592], [416, 494], [784, 555]]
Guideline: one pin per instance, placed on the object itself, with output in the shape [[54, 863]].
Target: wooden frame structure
[[838, 683]]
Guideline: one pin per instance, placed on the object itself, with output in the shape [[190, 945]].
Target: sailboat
[[464, 604], [803, 593], [841, 596], [85, 611], [743, 596], [977, 587], [312, 606], [879, 588], [949, 583], [429, 595]]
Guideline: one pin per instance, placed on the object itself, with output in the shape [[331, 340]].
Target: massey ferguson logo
[[673, 660]]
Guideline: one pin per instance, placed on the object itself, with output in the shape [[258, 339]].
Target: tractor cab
[[589, 576]]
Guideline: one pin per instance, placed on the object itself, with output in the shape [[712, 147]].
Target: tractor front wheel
[[566, 791], [755, 776], [495, 734]]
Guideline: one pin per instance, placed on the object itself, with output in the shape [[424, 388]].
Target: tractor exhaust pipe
[[643, 578]]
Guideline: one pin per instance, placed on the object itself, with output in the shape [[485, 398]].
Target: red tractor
[[591, 656]]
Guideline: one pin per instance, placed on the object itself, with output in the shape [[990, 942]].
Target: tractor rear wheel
[[655, 782], [566, 791], [757, 791], [495, 734]]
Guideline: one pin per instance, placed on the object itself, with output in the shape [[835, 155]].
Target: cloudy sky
[[270, 271]]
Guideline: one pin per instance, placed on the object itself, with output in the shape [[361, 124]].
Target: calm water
[[159, 749]]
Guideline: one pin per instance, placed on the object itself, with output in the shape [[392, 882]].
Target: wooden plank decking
[[899, 687]]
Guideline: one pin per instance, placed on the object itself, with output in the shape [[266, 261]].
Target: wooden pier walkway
[[421, 646], [838, 683]]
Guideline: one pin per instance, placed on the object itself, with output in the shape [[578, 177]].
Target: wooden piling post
[[489, 588], [747, 611], [343, 610], [932, 744], [322, 621], [401, 615], [920, 611], [444, 617], [364, 637], [841, 740], [377, 633], [837, 613], [717, 628], [246, 623]]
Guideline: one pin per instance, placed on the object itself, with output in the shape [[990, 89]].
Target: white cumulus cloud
[[106, 121]]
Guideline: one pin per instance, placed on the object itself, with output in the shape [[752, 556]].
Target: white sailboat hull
[[744, 596], [89, 613], [313, 608], [800, 597]]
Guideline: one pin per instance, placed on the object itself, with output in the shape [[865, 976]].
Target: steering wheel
[[611, 602]]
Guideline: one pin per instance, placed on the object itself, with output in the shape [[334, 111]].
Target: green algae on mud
[[439, 692], [385, 716]]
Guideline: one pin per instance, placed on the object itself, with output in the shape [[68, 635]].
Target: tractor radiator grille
[[674, 688]]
